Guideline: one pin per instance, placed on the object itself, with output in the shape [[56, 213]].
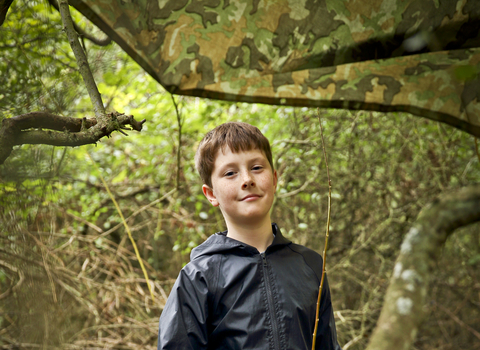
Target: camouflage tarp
[[388, 55]]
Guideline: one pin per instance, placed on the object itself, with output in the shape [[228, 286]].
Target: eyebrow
[[253, 160], [258, 159]]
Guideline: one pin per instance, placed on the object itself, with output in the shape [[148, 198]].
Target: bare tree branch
[[65, 131], [62, 131], [51, 121], [100, 42], [403, 309], [82, 62]]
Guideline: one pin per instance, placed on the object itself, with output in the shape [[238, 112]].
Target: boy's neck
[[258, 235]]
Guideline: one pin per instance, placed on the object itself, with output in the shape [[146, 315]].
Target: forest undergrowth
[[70, 279]]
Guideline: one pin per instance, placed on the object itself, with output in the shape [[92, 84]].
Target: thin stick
[[179, 154], [459, 321], [127, 228], [317, 316]]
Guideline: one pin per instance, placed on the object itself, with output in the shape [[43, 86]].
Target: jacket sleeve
[[183, 323], [327, 332]]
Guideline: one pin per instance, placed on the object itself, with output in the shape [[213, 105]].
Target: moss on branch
[[50, 129], [403, 309]]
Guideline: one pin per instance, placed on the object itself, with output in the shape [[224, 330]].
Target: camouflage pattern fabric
[[422, 57]]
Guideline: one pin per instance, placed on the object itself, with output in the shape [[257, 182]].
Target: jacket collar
[[220, 243], [278, 240]]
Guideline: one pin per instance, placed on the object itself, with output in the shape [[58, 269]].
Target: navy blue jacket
[[230, 296]]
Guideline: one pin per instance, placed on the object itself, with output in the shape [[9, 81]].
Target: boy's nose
[[248, 182]]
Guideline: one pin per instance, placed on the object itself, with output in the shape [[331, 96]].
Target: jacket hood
[[220, 243]]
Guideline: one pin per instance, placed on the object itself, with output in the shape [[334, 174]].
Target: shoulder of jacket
[[302, 249], [203, 266], [311, 258], [202, 271]]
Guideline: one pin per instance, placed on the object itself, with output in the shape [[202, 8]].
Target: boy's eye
[[229, 173], [257, 167]]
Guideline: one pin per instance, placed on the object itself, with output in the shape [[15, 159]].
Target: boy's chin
[[251, 219]]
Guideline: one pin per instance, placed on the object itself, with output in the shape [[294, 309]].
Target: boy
[[247, 287]]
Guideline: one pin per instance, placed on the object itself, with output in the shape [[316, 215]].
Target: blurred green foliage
[[59, 228]]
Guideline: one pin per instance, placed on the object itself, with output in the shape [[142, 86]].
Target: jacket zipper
[[271, 304]]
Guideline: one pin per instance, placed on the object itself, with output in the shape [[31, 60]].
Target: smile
[[250, 197]]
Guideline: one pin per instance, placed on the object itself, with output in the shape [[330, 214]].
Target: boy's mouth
[[250, 197]]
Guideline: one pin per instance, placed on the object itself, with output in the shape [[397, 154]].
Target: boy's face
[[243, 186]]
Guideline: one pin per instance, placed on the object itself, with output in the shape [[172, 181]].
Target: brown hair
[[235, 135]]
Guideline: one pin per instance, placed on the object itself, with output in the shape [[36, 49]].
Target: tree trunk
[[403, 308]]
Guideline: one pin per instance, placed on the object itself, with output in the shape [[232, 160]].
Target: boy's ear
[[208, 192]]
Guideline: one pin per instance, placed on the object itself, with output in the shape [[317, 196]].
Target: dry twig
[[327, 230]]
